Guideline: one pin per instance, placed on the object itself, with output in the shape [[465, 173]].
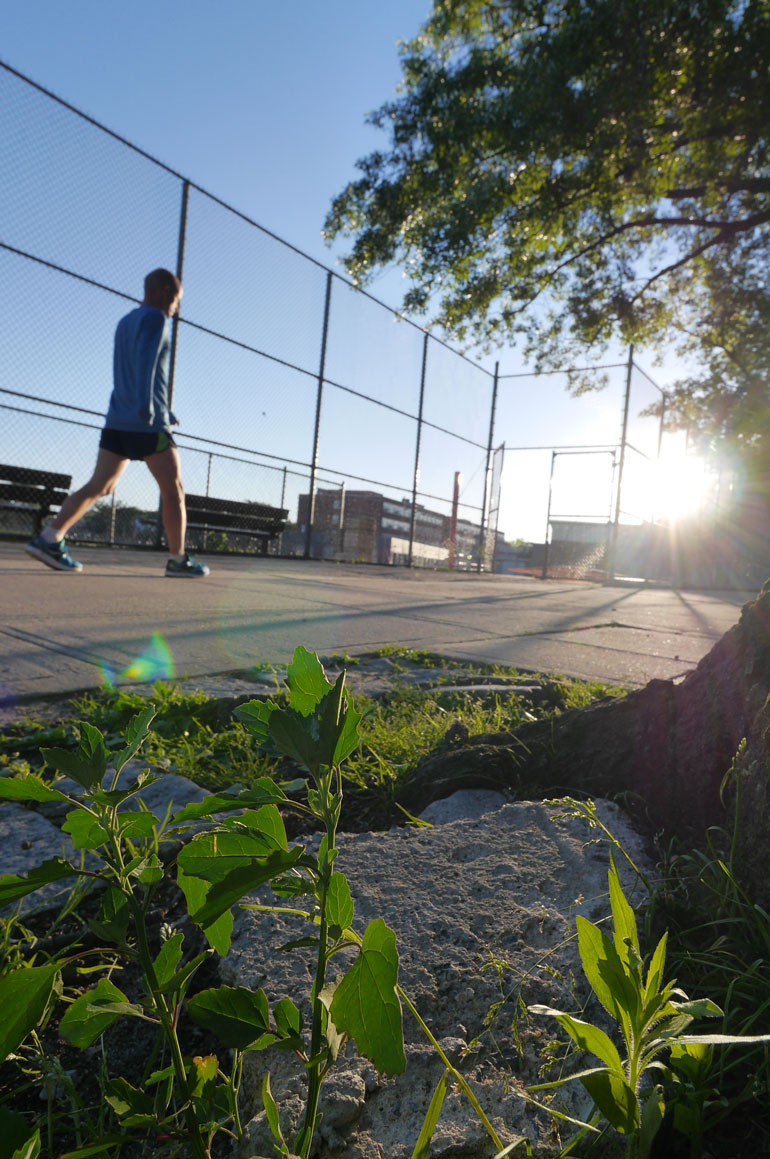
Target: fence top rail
[[238, 213]]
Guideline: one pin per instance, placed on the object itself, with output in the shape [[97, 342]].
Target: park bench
[[256, 520], [25, 491]]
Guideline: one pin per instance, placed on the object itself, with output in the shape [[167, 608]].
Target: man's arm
[[148, 346]]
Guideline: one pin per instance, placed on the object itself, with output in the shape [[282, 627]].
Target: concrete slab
[[60, 634]]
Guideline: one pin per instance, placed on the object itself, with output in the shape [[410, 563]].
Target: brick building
[[367, 527]]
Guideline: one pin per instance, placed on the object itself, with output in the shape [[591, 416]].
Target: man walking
[[137, 426]]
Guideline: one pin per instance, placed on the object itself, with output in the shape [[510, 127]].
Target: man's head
[[163, 290]]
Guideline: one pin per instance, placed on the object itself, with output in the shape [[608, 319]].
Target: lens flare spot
[[156, 662]]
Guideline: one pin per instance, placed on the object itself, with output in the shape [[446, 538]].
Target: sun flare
[[680, 486]]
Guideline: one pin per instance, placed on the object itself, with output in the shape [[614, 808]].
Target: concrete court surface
[[59, 631]]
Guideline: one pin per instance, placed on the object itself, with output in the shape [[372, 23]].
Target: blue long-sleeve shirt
[[139, 400]]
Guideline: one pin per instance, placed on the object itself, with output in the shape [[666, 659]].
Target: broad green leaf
[[339, 903], [365, 1004], [271, 1111], [653, 1110], [332, 713], [136, 823], [204, 1073], [175, 983], [168, 959], [237, 1016], [262, 792], [699, 1008], [422, 1146], [14, 886], [656, 968], [85, 830], [83, 1021], [593, 1039], [614, 1098], [222, 895], [265, 823], [604, 970], [306, 681], [126, 1099], [288, 1020], [30, 1149], [691, 1059], [88, 764], [622, 916], [218, 931], [15, 1133], [136, 731], [213, 855], [255, 714], [24, 995], [348, 736], [112, 922], [334, 1037], [296, 736], [28, 788]]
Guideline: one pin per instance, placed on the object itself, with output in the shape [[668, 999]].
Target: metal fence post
[[418, 438], [623, 438], [482, 528], [175, 327], [548, 516], [317, 434]]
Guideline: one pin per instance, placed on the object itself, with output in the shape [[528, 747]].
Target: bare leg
[[165, 468], [109, 467]]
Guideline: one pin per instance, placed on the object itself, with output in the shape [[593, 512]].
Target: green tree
[[576, 171]]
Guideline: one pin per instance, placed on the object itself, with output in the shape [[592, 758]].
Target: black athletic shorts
[[135, 444]]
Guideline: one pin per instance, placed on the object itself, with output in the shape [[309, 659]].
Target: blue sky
[[264, 105]]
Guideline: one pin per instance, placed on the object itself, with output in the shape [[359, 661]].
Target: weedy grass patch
[[113, 962]]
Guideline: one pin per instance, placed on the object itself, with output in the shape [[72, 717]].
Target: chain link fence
[[294, 388]]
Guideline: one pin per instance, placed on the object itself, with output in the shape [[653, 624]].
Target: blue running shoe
[[53, 555], [188, 566]]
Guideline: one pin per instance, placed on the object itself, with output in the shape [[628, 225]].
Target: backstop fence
[[294, 388]]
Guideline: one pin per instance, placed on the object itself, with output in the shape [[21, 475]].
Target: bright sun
[[679, 486]]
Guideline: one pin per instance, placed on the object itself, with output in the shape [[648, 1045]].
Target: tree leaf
[[365, 1004], [236, 1015], [614, 1098], [83, 1021], [24, 995]]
